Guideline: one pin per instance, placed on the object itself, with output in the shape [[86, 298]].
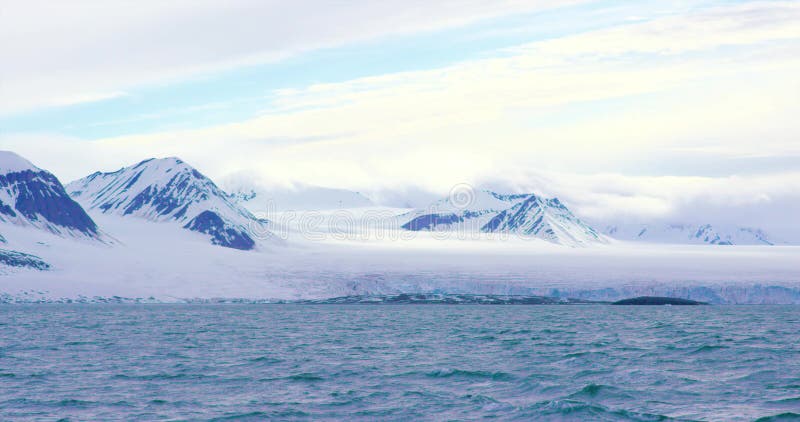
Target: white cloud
[[86, 98], [54, 50], [541, 106], [737, 25], [693, 199]]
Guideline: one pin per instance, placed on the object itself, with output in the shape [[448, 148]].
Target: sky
[[626, 110]]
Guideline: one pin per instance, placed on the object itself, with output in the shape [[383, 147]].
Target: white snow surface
[[261, 200], [162, 261]]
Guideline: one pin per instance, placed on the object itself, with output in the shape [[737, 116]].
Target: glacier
[[184, 266], [260, 199]]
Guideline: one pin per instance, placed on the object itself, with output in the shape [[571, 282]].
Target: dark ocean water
[[414, 362]]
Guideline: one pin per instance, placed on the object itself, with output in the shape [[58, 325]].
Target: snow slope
[[490, 212], [169, 190]]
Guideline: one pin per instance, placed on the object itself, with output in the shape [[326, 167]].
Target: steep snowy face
[[490, 212], [168, 190], [32, 196], [689, 234]]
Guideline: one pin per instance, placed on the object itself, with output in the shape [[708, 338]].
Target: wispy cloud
[[629, 118], [85, 98], [64, 50], [548, 104]]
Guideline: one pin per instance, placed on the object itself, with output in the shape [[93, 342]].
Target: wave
[[599, 392], [460, 373], [260, 415], [574, 410], [709, 348], [163, 376], [781, 417], [305, 376], [266, 359]]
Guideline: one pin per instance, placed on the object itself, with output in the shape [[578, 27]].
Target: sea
[[399, 362]]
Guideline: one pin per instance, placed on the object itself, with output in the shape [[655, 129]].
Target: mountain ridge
[[528, 215], [169, 190], [30, 196], [691, 233]]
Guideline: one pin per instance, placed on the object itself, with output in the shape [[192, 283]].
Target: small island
[[657, 300]]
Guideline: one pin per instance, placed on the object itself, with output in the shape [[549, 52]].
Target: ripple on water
[[399, 363], [460, 373], [600, 392], [574, 410]]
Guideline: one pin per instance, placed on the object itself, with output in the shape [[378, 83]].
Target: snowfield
[[162, 262]]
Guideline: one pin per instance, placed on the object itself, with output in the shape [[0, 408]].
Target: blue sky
[[648, 106]]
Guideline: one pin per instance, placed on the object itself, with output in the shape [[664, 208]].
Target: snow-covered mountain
[[689, 234], [169, 190], [485, 211], [30, 196], [152, 212], [258, 199]]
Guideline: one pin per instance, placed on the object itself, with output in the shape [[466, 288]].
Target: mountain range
[[160, 227], [684, 233], [169, 191]]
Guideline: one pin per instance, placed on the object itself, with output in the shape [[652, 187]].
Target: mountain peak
[[153, 188], [11, 162], [165, 165], [30, 196], [169, 161], [508, 197], [486, 211], [167, 190]]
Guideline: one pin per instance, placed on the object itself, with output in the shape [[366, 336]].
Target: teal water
[[414, 362]]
